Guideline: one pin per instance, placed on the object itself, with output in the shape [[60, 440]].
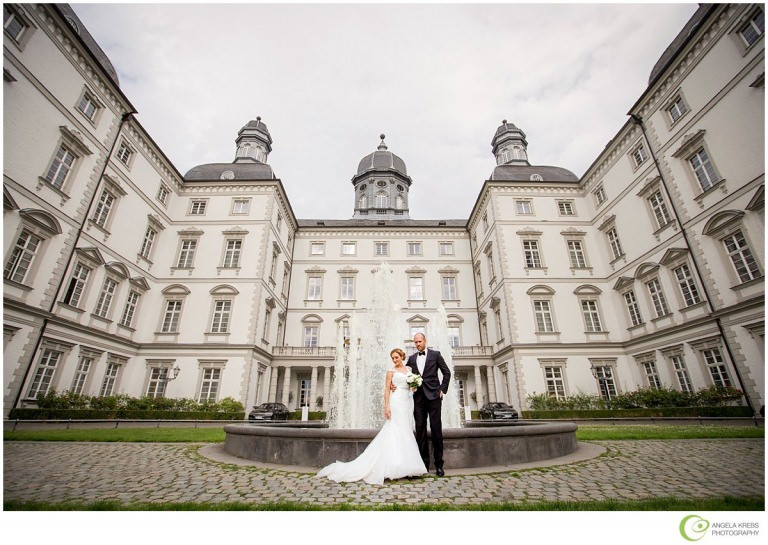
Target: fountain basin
[[463, 447]]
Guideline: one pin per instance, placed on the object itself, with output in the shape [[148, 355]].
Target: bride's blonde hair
[[399, 351]]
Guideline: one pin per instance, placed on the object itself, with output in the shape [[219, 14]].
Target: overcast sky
[[437, 79]]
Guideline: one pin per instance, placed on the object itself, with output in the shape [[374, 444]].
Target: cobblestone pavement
[[152, 472]]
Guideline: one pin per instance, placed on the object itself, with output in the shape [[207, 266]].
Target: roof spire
[[382, 145]]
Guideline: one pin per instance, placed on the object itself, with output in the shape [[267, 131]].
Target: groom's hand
[[441, 394]]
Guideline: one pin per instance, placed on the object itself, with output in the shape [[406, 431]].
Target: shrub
[[124, 404]]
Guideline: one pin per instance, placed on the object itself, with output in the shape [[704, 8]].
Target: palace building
[[646, 271]]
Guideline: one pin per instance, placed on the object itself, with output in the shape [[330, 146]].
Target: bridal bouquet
[[413, 379]]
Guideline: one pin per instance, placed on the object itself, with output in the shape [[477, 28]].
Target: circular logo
[[693, 527]]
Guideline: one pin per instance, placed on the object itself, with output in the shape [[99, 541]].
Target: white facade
[[648, 269]]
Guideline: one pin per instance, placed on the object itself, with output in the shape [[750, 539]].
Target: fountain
[[356, 408]]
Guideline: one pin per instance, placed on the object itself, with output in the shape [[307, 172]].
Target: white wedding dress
[[393, 453]]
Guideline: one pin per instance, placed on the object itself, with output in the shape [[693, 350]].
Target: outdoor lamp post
[[175, 370], [603, 386]]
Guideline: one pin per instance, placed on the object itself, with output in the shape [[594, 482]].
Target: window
[[615, 243], [754, 28], [60, 167], [209, 386], [222, 310], [454, 336], [639, 155], [46, 367], [499, 325], [659, 207], [187, 254], [555, 383], [566, 208], [317, 248], [716, 367], [267, 323], [600, 196], [532, 256], [576, 254], [414, 248], [687, 285], [382, 200], [543, 313], [703, 169], [197, 208], [76, 285], [657, 296], [23, 253], [146, 244], [315, 288], [591, 316], [381, 248], [13, 24], [158, 380], [416, 288], [110, 377], [103, 208], [652, 374], [81, 373], [162, 193], [485, 222], [681, 372], [129, 310], [171, 317], [605, 381], [446, 248], [741, 257], [677, 109], [105, 298], [347, 287], [124, 154], [304, 386], [362, 202], [310, 335], [632, 307], [449, 288], [88, 105], [524, 207], [460, 389], [348, 248], [240, 206], [232, 254]]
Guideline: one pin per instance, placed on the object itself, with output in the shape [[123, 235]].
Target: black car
[[268, 411], [498, 411]]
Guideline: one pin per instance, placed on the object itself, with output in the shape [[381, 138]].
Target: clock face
[[362, 187]]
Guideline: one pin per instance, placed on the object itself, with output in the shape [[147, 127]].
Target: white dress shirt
[[420, 361]]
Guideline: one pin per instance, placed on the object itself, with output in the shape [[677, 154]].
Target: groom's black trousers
[[423, 408]]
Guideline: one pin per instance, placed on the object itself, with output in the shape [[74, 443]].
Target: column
[[272, 394], [492, 396], [327, 391], [286, 386], [258, 383], [478, 387], [313, 389]]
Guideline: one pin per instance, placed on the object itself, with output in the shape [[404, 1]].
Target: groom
[[428, 399]]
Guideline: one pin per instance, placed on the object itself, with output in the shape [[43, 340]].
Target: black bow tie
[[422, 353]]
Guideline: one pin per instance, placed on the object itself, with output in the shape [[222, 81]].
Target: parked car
[[498, 411], [268, 411]]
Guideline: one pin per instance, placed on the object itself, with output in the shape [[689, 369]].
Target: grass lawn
[[725, 503], [216, 435]]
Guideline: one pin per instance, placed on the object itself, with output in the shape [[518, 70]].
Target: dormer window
[[754, 28]]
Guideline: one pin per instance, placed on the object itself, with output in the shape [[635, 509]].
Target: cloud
[[436, 78]]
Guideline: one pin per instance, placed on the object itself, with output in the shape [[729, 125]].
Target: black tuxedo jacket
[[431, 383]]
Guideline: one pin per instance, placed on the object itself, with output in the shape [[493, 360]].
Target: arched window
[[244, 150], [399, 202], [363, 202], [382, 200]]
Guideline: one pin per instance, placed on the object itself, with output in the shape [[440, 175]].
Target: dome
[[381, 160], [505, 127], [230, 171], [527, 173]]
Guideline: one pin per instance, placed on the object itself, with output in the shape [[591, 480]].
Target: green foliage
[[644, 398], [313, 415], [66, 404]]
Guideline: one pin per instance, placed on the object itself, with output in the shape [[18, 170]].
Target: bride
[[393, 453]]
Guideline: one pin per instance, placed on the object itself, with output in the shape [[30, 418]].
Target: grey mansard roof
[[355, 223], [523, 173], [240, 171], [88, 40]]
